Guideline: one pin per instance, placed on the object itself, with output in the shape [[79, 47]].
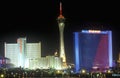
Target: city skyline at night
[[37, 22]]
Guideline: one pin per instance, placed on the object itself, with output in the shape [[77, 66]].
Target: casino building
[[28, 55], [21, 53], [93, 50]]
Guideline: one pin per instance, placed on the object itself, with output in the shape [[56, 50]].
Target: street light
[[83, 71], [2, 76]]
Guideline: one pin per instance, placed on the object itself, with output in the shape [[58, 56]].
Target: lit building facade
[[50, 62], [28, 55], [11, 52], [21, 52], [93, 50]]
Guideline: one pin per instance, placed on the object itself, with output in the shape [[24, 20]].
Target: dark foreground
[[51, 73]]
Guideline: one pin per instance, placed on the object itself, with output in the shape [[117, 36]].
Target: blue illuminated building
[[93, 50]]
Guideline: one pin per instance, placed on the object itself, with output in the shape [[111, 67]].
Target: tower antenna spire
[[60, 8], [60, 16]]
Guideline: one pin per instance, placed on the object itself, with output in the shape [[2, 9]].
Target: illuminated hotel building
[[61, 25], [21, 53], [28, 55], [50, 62], [93, 50]]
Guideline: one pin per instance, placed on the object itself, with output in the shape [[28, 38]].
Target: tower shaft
[[119, 57], [118, 61], [62, 49]]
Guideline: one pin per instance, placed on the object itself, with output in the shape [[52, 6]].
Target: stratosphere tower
[[61, 24]]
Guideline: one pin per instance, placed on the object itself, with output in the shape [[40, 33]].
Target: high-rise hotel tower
[[22, 53], [93, 50], [61, 25]]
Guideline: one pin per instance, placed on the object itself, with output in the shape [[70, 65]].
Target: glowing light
[[110, 48], [56, 54], [91, 31], [83, 71], [95, 67], [109, 71], [61, 16], [98, 75], [58, 71], [2, 76], [60, 8], [77, 63], [61, 24], [94, 31]]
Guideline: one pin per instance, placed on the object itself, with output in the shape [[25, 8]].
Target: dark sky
[[37, 21]]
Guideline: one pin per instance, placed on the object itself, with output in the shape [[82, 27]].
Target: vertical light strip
[[110, 48], [5, 49], [77, 63]]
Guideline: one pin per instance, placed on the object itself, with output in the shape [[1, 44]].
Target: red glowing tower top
[[60, 16]]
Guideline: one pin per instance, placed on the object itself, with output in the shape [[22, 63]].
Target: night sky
[[37, 21]]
